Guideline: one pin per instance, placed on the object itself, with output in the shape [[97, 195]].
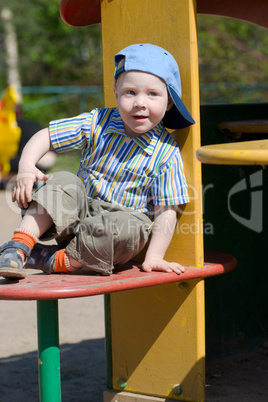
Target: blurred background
[[57, 69]]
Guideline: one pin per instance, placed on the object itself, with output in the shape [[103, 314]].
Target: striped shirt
[[133, 172]]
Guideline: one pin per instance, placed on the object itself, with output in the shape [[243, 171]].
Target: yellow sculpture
[[9, 131]]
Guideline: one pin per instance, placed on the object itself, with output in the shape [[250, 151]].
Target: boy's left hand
[[158, 264]]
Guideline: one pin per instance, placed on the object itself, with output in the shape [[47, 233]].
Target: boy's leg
[[51, 259], [65, 200], [14, 253], [106, 236], [59, 202], [111, 235], [36, 220]]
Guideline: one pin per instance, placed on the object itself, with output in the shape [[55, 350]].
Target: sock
[[24, 236], [62, 262]]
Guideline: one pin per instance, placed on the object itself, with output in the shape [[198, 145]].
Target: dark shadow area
[[241, 377], [235, 205], [83, 374]]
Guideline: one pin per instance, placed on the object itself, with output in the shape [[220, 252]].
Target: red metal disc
[[81, 13]]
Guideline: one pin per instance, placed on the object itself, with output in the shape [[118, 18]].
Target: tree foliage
[[232, 55], [51, 52]]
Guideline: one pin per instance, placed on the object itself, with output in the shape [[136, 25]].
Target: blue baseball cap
[[158, 61]]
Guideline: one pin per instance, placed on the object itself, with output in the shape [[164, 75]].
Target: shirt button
[[128, 140]]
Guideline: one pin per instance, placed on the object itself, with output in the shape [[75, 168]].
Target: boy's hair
[[155, 60], [119, 67]]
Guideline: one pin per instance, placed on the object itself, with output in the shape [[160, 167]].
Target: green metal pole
[[48, 351], [108, 341]]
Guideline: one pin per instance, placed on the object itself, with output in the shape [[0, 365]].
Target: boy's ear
[[115, 93], [170, 102]]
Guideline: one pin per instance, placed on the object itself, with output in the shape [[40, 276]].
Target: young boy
[[129, 183]]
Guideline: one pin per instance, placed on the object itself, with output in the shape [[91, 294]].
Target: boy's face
[[142, 99]]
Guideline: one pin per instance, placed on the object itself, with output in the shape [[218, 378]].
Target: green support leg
[[48, 351]]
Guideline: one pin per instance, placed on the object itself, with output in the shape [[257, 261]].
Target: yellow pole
[[157, 333]]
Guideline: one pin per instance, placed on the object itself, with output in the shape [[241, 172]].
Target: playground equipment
[[242, 153], [155, 322], [9, 131], [173, 307], [80, 13], [150, 369]]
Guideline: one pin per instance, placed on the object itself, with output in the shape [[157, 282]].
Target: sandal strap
[[17, 245]]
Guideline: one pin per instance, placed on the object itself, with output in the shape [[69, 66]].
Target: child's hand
[[158, 264], [22, 192]]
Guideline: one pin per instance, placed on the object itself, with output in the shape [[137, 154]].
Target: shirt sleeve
[[170, 186], [72, 133]]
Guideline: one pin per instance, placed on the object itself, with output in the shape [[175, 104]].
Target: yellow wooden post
[[158, 341], [158, 344]]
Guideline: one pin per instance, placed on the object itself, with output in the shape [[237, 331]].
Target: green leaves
[[51, 52], [233, 60], [233, 57]]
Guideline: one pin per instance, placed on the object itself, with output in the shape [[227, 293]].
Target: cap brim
[[178, 116]]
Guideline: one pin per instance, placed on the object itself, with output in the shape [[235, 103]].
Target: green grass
[[67, 161]]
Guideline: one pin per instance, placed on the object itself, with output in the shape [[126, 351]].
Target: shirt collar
[[146, 141]]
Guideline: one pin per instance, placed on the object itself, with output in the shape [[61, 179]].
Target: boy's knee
[[69, 182], [64, 177]]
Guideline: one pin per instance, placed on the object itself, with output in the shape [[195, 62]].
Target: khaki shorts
[[98, 234]]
